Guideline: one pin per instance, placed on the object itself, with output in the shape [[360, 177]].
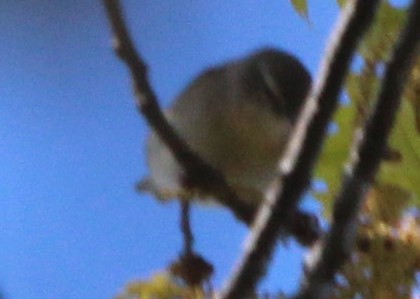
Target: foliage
[[185, 278], [160, 286], [403, 158], [301, 7], [387, 257], [388, 252]]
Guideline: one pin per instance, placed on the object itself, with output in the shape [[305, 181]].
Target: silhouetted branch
[[200, 174], [303, 149], [186, 227], [367, 156]]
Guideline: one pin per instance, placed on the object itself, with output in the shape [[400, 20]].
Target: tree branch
[[202, 175], [186, 227], [367, 157], [303, 150]]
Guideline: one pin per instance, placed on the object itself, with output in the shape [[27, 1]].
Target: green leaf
[[402, 172], [159, 286], [301, 6], [412, 92], [361, 89], [335, 154], [341, 3], [381, 37], [405, 171]]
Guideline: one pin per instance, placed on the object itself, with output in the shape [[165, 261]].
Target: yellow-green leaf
[[341, 3], [412, 92], [335, 154], [301, 6], [380, 39], [405, 171], [159, 286]]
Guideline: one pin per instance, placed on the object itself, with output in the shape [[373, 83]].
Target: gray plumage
[[237, 117]]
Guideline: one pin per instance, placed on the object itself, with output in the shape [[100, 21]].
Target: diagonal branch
[[202, 175], [366, 160], [303, 149]]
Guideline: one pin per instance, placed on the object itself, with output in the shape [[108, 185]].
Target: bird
[[237, 116]]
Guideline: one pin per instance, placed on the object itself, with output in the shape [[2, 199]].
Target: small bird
[[237, 117]]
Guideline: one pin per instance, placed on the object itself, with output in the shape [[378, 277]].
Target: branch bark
[[367, 156], [303, 150]]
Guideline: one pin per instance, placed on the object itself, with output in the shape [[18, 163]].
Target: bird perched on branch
[[237, 117]]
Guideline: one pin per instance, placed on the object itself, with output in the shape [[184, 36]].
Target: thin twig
[[186, 227], [303, 150], [368, 155], [202, 175]]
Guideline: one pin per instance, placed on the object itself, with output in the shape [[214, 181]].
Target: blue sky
[[72, 144]]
